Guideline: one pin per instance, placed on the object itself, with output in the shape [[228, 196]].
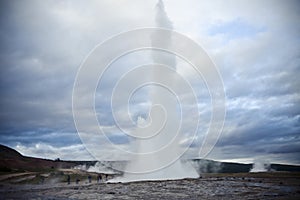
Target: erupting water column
[[165, 114]]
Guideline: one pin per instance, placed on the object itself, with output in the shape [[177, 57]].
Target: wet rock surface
[[220, 186]]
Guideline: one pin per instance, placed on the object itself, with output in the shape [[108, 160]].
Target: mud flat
[[275, 185]]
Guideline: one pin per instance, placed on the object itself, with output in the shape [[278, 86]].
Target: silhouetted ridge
[[6, 152]]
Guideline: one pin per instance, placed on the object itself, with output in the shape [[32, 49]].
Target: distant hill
[[12, 161], [7, 153], [210, 166]]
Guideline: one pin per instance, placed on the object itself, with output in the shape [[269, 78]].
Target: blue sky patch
[[235, 29]]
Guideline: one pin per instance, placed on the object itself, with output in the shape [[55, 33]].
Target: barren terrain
[[274, 185]]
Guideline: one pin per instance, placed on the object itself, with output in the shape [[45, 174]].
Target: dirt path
[[15, 175]]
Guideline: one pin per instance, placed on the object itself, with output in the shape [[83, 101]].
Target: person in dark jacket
[[69, 179]]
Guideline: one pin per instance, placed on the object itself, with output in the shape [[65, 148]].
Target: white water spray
[[159, 132], [260, 165]]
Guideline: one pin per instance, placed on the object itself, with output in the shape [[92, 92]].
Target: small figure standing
[[90, 178], [77, 181], [69, 179], [99, 178], [106, 177]]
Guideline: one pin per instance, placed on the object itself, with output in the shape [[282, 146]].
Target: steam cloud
[[164, 109], [260, 166]]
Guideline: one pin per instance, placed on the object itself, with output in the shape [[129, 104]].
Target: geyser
[[260, 165], [157, 136]]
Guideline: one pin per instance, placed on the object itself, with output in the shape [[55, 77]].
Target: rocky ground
[[209, 186]]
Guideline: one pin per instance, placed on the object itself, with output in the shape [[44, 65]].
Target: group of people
[[100, 179]]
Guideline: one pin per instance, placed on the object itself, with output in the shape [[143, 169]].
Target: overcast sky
[[254, 44]]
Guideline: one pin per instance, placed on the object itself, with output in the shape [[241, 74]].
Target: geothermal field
[[33, 178], [272, 185]]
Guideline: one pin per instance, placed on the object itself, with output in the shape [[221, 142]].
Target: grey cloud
[[43, 43]]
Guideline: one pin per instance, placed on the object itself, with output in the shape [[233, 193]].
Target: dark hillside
[[13, 161]]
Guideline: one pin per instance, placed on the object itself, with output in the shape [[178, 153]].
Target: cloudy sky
[[254, 44]]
